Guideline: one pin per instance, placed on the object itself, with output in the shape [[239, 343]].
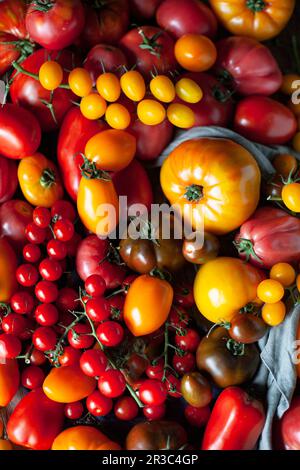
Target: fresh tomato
[[83, 438], [236, 422], [289, 425], [150, 49], [233, 283], [156, 435], [8, 179], [195, 52], [39, 180], [180, 17], [270, 236], [151, 140], [104, 58], [147, 305], [29, 93], [264, 120], [257, 19], [12, 18], [55, 25], [12, 49], [133, 85], [105, 22], [8, 267], [35, 421], [143, 10], [15, 215], [184, 182], [51, 75], [247, 66], [9, 380], [290, 196], [200, 255], [247, 328]]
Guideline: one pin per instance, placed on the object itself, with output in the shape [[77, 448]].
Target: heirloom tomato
[[83, 438], [104, 58], [224, 286], [195, 52], [201, 254], [8, 267], [9, 380], [151, 140], [258, 19], [214, 182], [156, 435], [15, 215], [8, 179]]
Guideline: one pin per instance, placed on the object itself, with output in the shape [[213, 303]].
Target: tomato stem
[[43, 5], [90, 171], [237, 349], [150, 44], [48, 178], [256, 5], [194, 193], [245, 247]]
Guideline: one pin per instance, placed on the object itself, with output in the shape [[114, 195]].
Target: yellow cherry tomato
[[188, 90], [151, 112], [117, 116], [296, 142], [5, 444], [93, 106], [181, 116], [51, 75], [80, 82], [273, 314], [270, 291], [287, 86], [285, 164], [291, 196], [133, 85], [283, 273], [162, 88], [108, 86]]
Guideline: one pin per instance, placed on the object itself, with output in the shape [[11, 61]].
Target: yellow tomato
[[93, 106], [5, 444], [68, 384], [270, 291], [283, 273], [80, 82], [151, 112], [181, 116], [296, 142], [51, 75], [108, 86], [288, 83], [273, 314], [291, 196], [224, 286], [133, 85], [162, 88], [117, 116], [39, 180], [188, 90], [83, 438]]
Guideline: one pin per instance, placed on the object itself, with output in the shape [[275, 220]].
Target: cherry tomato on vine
[[27, 275], [50, 269], [126, 409], [162, 88], [188, 90], [117, 116], [74, 410], [173, 385], [195, 52], [46, 314], [63, 230], [151, 112], [155, 370], [283, 273], [98, 309], [285, 165], [37, 358], [10, 346], [181, 115], [110, 333], [95, 285], [57, 250], [44, 338], [51, 75], [108, 86], [184, 363], [69, 356], [187, 340], [93, 106], [93, 362], [153, 392], [46, 292], [270, 291], [13, 324], [35, 234], [32, 377], [112, 383], [133, 85], [41, 217], [31, 253], [22, 302], [291, 196], [154, 413], [79, 336], [273, 314], [62, 209], [98, 405], [67, 299], [80, 82]]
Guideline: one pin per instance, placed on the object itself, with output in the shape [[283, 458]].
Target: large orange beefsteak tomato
[[214, 181], [83, 438]]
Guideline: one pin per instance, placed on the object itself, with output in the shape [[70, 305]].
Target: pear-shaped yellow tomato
[[214, 182], [39, 180], [83, 438], [68, 384], [8, 267], [9, 380], [98, 205], [147, 305], [224, 286]]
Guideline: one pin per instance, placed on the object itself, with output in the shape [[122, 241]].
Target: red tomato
[[180, 17], [249, 65], [29, 93], [14, 217], [264, 120], [55, 25], [35, 421], [12, 18], [289, 426], [11, 49], [151, 140], [157, 57], [144, 10], [74, 134], [105, 22], [8, 179], [104, 56], [9, 380]]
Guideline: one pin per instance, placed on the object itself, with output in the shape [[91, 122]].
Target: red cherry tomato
[[184, 364], [62, 209], [13, 324], [153, 392], [98, 405], [35, 234], [63, 230], [154, 413], [156, 370], [98, 309], [41, 217], [46, 314], [95, 285], [32, 377], [50, 269], [10, 346], [57, 250], [112, 383], [126, 409], [79, 337], [69, 356], [93, 362], [74, 410], [22, 302], [44, 338], [187, 341], [27, 275], [31, 253], [46, 292], [110, 333]]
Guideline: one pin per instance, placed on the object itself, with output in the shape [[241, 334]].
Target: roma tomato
[[8, 267], [229, 169], [105, 22], [264, 120], [147, 304], [236, 422], [83, 438], [104, 58], [224, 286], [156, 435], [151, 140], [98, 205], [9, 380], [21, 132], [35, 421], [68, 384], [8, 179], [49, 108], [157, 57], [180, 17], [55, 25], [249, 65], [39, 181], [257, 19]]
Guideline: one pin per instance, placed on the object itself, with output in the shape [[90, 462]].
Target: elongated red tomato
[[9, 380]]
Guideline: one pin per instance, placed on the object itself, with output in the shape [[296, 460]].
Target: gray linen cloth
[[276, 375]]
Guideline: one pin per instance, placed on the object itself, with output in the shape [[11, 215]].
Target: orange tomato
[[270, 291], [214, 182], [259, 19], [93, 106], [273, 314], [181, 115], [147, 304], [117, 116], [283, 273], [285, 164], [287, 86], [68, 384], [80, 82], [8, 267], [51, 75], [195, 52], [39, 180], [83, 438], [291, 196], [108, 86], [9, 380], [111, 150], [5, 444]]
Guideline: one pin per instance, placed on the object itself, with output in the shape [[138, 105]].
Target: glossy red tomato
[[126, 409], [289, 425], [29, 93], [264, 120], [12, 18], [151, 140], [143, 10], [8, 179], [104, 57], [93, 362], [55, 25], [14, 217]]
